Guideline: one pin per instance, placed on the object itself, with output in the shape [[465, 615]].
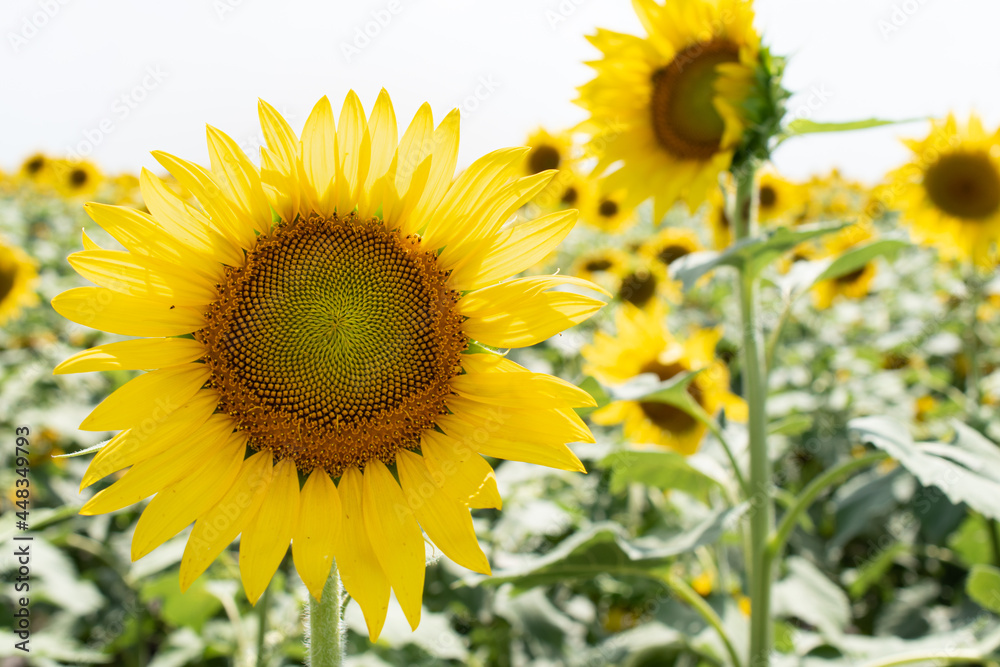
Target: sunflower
[[641, 344], [950, 193], [833, 197], [669, 106], [665, 248], [718, 220], [551, 151], [37, 169], [779, 200], [604, 266], [334, 340], [75, 178], [606, 212], [853, 285], [17, 279]]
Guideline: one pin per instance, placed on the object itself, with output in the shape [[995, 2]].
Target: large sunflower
[[950, 193], [668, 106], [642, 344], [315, 317], [17, 278]]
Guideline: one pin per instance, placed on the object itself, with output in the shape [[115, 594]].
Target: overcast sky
[[123, 77]]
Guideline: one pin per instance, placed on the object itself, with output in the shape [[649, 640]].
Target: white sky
[[64, 81]]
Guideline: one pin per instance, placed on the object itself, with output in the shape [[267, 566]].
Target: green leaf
[[966, 470], [983, 586], [750, 256], [802, 126], [794, 424], [189, 609], [857, 257], [604, 549], [659, 469], [871, 572], [650, 389], [595, 389], [807, 594]]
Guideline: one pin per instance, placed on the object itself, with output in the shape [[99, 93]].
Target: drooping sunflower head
[[75, 178], [853, 285], [949, 194], [669, 106], [317, 317], [18, 275], [642, 344]]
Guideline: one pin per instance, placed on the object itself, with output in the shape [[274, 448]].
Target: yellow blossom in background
[[853, 285], [75, 178], [334, 344], [949, 194], [780, 201], [18, 275], [668, 106], [642, 344]]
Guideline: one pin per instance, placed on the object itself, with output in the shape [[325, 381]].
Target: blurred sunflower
[[833, 197], [665, 248], [334, 342], [604, 266], [18, 275], [75, 178], [641, 344], [779, 200], [606, 212], [719, 221], [950, 193], [853, 285], [669, 107], [37, 169]]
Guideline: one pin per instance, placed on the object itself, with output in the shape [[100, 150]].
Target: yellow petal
[[395, 537], [354, 152], [88, 243], [521, 390], [199, 182], [446, 521], [107, 310], [142, 235], [239, 179], [160, 431], [384, 139], [186, 223], [280, 162], [444, 148], [319, 523], [518, 313], [121, 272], [460, 471], [319, 155], [266, 538], [414, 148], [512, 251], [451, 220], [165, 389], [154, 474], [182, 502], [219, 526], [133, 355], [359, 568]]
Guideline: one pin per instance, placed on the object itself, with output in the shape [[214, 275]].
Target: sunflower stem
[[973, 377], [262, 606], [755, 391], [326, 636]]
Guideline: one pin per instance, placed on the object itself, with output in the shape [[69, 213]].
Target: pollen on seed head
[[335, 343]]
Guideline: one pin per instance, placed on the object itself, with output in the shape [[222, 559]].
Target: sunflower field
[[627, 394]]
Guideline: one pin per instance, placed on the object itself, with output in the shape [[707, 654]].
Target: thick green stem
[[777, 542], [326, 637], [755, 392]]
